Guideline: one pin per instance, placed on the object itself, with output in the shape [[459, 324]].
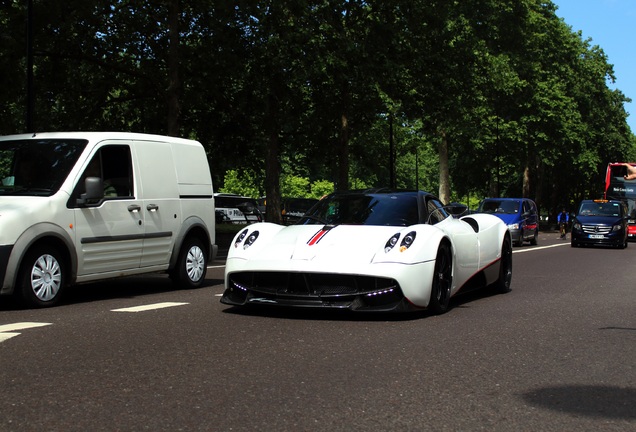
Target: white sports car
[[381, 250]]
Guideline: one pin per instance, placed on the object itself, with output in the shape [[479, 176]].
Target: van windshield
[[499, 206], [37, 167]]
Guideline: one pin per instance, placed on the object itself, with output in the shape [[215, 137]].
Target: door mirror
[[94, 191]]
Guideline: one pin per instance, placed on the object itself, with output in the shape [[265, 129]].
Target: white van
[[83, 206]]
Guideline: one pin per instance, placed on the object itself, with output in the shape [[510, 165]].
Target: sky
[[611, 24]]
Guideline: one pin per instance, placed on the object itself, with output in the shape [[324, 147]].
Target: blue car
[[520, 214], [600, 222]]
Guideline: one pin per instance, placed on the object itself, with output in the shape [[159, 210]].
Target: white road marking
[[149, 307], [7, 330], [540, 247], [5, 336], [21, 326]]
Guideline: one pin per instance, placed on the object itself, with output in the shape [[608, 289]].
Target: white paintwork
[[359, 250], [165, 170]]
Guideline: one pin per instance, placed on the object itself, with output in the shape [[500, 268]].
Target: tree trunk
[[444, 174], [343, 154], [272, 167], [342, 182], [174, 86]]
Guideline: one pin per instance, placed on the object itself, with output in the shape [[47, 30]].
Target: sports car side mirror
[[457, 209]]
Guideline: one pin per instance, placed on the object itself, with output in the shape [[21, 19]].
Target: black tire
[[42, 277], [535, 239], [192, 264], [442, 281], [505, 268]]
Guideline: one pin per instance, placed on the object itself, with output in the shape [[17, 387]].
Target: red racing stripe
[[316, 237]]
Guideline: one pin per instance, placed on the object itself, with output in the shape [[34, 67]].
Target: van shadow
[[126, 287], [596, 401]]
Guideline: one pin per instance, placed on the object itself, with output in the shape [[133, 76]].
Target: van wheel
[[42, 276], [191, 265]]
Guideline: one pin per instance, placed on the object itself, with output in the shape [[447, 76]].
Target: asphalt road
[[555, 354]]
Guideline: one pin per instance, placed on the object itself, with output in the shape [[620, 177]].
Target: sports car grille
[[596, 229], [311, 284]]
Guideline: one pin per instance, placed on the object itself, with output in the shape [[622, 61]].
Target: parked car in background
[[236, 209], [291, 208], [520, 214], [600, 222], [294, 208]]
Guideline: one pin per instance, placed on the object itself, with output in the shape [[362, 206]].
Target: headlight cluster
[[576, 226], [406, 242], [617, 227], [514, 226], [247, 240]]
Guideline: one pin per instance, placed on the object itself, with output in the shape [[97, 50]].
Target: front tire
[[42, 277], [192, 264], [442, 281], [505, 268]]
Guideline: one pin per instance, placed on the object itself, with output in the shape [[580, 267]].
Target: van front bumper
[[5, 252]]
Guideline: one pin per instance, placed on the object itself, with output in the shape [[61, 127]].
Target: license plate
[[597, 236]]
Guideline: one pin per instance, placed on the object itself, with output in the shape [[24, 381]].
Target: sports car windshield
[[600, 209], [359, 209]]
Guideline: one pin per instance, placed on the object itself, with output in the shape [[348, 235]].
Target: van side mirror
[[94, 191]]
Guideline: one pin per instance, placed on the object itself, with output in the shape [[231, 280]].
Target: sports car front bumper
[[315, 290]]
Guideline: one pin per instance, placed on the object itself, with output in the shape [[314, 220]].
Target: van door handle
[[134, 208], [152, 207]]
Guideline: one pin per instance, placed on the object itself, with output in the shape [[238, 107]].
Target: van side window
[[113, 165]]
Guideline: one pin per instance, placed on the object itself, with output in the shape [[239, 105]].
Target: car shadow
[[596, 401], [295, 313]]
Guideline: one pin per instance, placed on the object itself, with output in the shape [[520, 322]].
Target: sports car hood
[[355, 244]]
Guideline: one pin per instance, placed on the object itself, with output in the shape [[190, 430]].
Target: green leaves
[[294, 98]]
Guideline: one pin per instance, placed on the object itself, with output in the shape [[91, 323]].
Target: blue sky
[[611, 24]]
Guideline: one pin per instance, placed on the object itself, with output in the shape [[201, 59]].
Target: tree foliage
[[467, 99]]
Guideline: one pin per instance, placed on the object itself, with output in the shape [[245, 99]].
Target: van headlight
[[514, 226]]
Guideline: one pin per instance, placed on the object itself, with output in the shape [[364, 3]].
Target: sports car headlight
[[241, 237], [407, 241], [250, 239], [392, 242]]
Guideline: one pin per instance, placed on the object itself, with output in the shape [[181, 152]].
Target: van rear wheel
[[192, 264], [42, 276]]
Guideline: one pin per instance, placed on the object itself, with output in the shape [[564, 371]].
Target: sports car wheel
[[505, 268], [442, 281]]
